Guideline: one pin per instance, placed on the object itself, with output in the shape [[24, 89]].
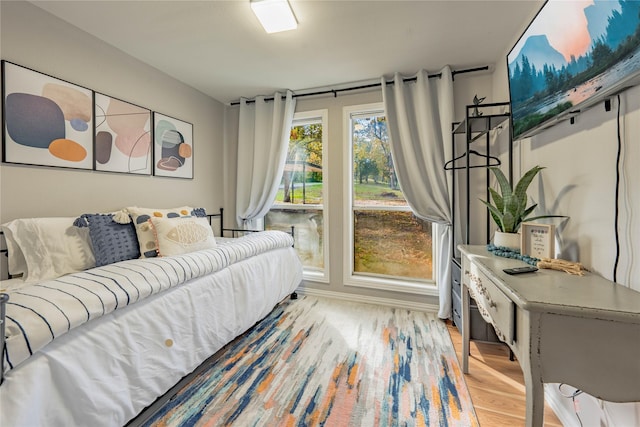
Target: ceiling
[[219, 47]]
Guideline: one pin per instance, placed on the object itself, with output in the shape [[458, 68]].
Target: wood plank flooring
[[496, 384]]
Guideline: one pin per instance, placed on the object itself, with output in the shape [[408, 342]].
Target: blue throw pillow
[[111, 242]]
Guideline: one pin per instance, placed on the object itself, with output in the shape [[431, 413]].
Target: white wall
[[579, 181], [35, 39]]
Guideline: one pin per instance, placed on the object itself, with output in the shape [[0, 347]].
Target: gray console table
[[583, 331]]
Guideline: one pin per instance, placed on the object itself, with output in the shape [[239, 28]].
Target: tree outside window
[[388, 240]]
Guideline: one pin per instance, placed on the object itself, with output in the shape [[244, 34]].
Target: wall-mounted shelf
[[481, 124]]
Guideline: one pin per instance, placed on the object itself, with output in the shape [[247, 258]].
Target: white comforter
[[120, 361]]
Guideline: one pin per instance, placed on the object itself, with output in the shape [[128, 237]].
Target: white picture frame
[[537, 240]]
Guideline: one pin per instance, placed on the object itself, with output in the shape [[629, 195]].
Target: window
[[389, 246], [301, 199]]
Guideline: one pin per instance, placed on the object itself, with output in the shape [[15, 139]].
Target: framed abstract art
[[122, 136], [46, 121], [173, 147]]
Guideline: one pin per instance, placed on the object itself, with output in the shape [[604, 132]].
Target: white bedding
[[108, 370]]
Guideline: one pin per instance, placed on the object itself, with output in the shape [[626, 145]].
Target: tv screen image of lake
[[555, 70], [587, 89]]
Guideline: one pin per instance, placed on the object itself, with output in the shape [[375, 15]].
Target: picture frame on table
[[172, 147], [537, 240], [122, 136], [46, 121]]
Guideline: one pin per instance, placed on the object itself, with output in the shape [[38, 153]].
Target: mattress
[[109, 369]]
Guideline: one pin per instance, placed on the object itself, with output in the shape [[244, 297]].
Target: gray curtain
[[263, 138], [419, 116]]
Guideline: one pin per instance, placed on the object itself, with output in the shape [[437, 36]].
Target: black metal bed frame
[[235, 232]]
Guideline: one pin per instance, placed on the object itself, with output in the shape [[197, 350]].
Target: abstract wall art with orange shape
[[123, 136], [173, 147], [47, 121]]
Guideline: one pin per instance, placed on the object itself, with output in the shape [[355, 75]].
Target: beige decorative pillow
[[140, 218], [176, 236]]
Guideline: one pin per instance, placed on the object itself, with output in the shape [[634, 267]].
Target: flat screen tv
[[573, 55]]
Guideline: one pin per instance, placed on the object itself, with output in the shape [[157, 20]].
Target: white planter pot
[[507, 240]]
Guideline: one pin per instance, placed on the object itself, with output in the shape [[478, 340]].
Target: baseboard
[[557, 403], [409, 305]]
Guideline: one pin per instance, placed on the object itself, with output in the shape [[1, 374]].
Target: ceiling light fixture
[[274, 15]]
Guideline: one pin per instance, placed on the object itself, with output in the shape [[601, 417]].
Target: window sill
[[315, 276], [404, 286]]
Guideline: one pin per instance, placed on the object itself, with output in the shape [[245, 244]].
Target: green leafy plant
[[509, 208]]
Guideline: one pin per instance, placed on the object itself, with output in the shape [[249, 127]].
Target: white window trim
[[307, 117], [368, 280]]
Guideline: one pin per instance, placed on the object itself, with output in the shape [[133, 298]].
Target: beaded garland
[[511, 253]]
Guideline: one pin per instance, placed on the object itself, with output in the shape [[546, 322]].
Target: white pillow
[[140, 218], [176, 236], [16, 263], [51, 247]]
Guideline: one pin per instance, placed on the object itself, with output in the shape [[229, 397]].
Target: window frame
[[372, 280], [308, 117]]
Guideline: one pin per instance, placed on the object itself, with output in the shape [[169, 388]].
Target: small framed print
[[537, 240], [173, 147], [122, 136]]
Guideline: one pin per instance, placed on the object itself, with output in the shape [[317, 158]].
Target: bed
[[96, 346]]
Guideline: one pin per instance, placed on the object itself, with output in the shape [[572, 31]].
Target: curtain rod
[[335, 91]]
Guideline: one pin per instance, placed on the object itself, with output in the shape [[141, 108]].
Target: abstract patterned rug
[[316, 361]]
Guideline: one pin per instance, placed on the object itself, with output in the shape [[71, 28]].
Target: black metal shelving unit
[[476, 127]]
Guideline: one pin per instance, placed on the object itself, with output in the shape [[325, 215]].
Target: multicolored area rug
[[316, 361]]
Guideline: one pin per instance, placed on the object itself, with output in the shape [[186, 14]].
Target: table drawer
[[494, 306]]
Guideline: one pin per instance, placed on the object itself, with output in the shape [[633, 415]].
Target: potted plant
[[509, 208]]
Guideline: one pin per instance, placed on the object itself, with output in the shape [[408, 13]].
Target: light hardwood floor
[[496, 384]]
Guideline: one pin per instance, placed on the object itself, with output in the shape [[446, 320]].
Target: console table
[[583, 331]]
